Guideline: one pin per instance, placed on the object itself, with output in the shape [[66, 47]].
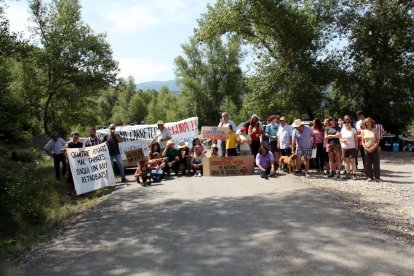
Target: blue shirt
[[55, 146], [271, 130]]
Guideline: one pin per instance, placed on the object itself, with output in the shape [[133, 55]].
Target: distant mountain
[[171, 84]]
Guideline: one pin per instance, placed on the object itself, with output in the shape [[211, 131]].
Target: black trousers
[[57, 159], [232, 152], [320, 157], [286, 152]]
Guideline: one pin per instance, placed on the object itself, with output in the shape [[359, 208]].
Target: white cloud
[[144, 69]]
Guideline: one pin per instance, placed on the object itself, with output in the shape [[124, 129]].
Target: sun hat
[[283, 118], [169, 142], [297, 123], [160, 122], [182, 144]]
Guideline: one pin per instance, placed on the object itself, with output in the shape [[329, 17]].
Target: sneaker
[[346, 176], [306, 174], [354, 177], [370, 179], [331, 175], [377, 180], [124, 180]]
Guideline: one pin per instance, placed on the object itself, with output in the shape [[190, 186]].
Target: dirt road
[[222, 226]]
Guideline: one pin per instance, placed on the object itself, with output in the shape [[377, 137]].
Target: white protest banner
[[91, 168], [139, 136]]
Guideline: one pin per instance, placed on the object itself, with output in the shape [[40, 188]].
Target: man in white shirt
[[284, 137], [162, 135], [54, 148]]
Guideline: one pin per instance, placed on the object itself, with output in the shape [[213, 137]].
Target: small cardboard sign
[[214, 133], [231, 165], [135, 155]]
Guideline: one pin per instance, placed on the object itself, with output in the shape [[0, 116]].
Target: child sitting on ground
[[156, 167], [141, 173], [214, 152], [197, 161]]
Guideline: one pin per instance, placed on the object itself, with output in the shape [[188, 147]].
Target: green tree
[[74, 61], [287, 37], [163, 106], [209, 73], [379, 58]]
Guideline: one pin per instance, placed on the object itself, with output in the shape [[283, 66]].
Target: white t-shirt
[[163, 134], [348, 136], [358, 125], [244, 146]]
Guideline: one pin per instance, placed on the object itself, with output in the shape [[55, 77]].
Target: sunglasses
[[347, 122]]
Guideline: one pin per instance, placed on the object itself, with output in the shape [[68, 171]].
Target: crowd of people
[[274, 143]]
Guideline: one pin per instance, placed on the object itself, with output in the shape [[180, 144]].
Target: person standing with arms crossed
[[113, 140]]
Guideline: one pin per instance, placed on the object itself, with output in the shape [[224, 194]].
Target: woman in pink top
[[318, 136]]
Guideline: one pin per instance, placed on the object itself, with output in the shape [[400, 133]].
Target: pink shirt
[[319, 136]]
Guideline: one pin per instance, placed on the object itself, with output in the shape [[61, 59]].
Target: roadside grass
[[33, 204]]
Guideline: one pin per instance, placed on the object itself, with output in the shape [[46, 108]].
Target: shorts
[[349, 153], [272, 146], [333, 148], [307, 153]]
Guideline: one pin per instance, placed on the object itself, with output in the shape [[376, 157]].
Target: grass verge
[[33, 204]]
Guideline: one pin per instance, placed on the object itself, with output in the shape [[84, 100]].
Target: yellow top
[[231, 141]]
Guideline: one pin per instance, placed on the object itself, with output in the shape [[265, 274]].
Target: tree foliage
[[75, 62], [210, 75]]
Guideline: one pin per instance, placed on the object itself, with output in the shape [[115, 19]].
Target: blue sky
[[145, 35]]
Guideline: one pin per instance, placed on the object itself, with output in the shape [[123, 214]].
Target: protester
[[319, 135], [244, 141], [184, 158], [255, 130], [381, 131], [326, 124], [370, 142], [349, 142], [196, 142], [231, 143], [265, 162], [54, 148], [340, 123], [271, 133], [333, 147], [197, 161], [359, 127], [113, 140], [155, 147], [172, 159], [284, 137], [225, 122], [162, 135], [156, 168], [214, 152], [303, 144], [265, 137], [74, 143], [141, 172], [92, 140]]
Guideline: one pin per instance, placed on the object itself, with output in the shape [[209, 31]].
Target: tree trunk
[[46, 114]]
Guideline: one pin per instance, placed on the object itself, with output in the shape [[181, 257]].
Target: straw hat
[[169, 142], [297, 123], [182, 144], [160, 122]]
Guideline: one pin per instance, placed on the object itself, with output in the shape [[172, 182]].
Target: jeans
[[57, 158], [120, 163]]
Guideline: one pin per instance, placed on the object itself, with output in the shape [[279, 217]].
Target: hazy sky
[[145, 35]]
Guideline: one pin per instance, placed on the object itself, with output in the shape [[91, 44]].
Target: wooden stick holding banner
[[91, 168]]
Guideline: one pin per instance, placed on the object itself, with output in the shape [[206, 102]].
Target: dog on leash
[[289, 162]]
